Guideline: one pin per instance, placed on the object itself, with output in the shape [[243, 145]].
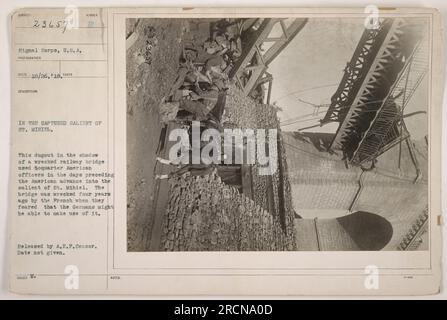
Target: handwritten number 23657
[[59, 24]]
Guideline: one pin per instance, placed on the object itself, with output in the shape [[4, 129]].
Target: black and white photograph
[[277, 134], [226, 151]]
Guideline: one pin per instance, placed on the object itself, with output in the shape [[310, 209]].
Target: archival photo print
[[277, 134]]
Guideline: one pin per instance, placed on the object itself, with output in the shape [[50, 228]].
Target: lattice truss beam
[[413, 238], [388, 128], [355, 72], [383, 74], [250, 69]]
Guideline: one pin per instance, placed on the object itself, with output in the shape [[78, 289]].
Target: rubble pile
[[204, 211], [204, 214], [244, 112], [203, 75]]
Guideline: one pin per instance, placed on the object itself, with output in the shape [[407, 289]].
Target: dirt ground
[[151, 70], [154, 47]]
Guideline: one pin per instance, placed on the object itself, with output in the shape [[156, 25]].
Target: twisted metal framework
[[250, 69], [388, 128], [386, 68], [355, 72], [412, 239]]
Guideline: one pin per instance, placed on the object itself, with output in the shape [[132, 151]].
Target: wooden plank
[[247, 181], [161, 192]]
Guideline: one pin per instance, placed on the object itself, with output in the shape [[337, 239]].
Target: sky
[[311, 66]]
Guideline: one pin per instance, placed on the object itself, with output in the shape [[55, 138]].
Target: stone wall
[[244, 113], [320, 180], [204, 214]]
